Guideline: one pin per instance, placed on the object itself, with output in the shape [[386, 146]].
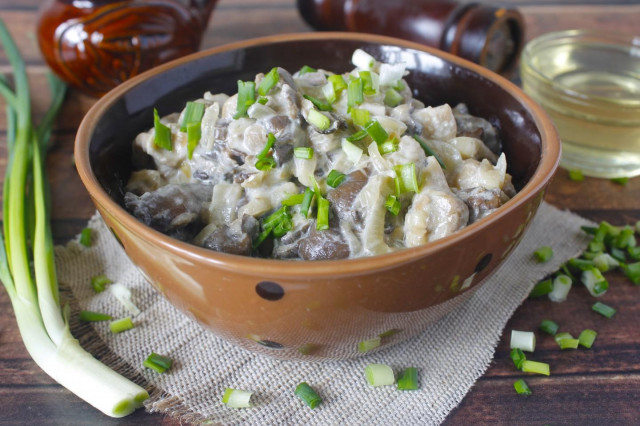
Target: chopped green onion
[[536, 367], [596, 246], [88, 316], [591, 230], [322, 106], [625, 238], [308, 395], [352, 151], [521, 387], [338, 83], [161, 134], [620, 181], [542, 288], [605, 262], [549, 327], [392, 98], [408, 379], [280, 222], [566, 341], [618, 254], [271, 140], [632, 271], [293, 200], [236, 398], [357, 136], [389, 333], [363, 60], [268, 82], [587, 337], [303, 152], [603, 309], [581, 264], [335, 178], [262, 100], [246, 97], [322, 220], [634, 253], [306, 202], [576, 175], [192, 114], [543, 254], [377, 132], [99, 283], [518, 357], [367, 83], [406, 179], [360, 117], [318, 120], [393, 204], [193, 137], [120, 325], [561, 287], [595, 282], [307, 348], [367, 345], [355, 93], [429, 152], [264, 164], [524, 340], [159, 363], [306, 69], [85, 237], [329, 93], [389, 146], [379, 375]]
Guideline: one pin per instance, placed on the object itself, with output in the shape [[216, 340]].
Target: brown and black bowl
[[320, 309]]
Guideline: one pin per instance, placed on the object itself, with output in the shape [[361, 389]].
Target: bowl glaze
[[321, 309]]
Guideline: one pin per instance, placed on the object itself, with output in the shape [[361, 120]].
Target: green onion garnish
[[271, 139], [355, 92], [620, 181], [193, 137], [576, 175], [604, 262], [594, 281], [88, 316], [357, 136], [307, 348], [338, 83], [518, 357], [543, 254], [308, 395], [603, 309], [625, 238], [632, 271], [367, 83], [379, 375], [581, 264], [335, 178], [587, 337], [268, 82], [306, 69], [521, 387], [120, 325], [303, 152], [322, 220], [264, 164], [329, 93], [428, 151], [192, 114], [618, 254], [353, 152], [524, 340], [159, 363], [236, 398], [566, 341], [634, 253], [392, 98], [262, 100], [406, 179], [536, 367], [389, 333], [99, 283], [322, 106], [360, 117], [377, 132], [85, 237], [161, 134], [393, 204], [389, 146], [367, 345], [319, 120], [408, 379], [246, 97], [549, 327], [542, 288], [306, 202], [293, 200]]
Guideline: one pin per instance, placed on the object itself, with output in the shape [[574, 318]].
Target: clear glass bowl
[[589, 84]]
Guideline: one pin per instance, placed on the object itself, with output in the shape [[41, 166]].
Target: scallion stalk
[[367, 83], [392, 98], [236, 398], [306, 69], [369, 344], [355, 93], [363, 60], [595, 282], [193, 114], [322, 219], [377, 132], [352, 151], [429, 152], [338, 83], [543, 254], [632, 271], [157, 362], [120, 325], [518, 357], [318, 120], [322, 106], [303, 152], [406, 179], [392, 204], [268, 82], [306, 202], [246, 98], [193, 137], [88, 316], [335, 178], [408, 379], [85, 237], [543, 288], [524, 340], [99, 283], [536, 367], [566, 341], [360, 117], [161, 133], [521, 387], [603, 309], [549, 327], [587, 337], [357, 136], [379, 375], [293, 200], [308, 395]]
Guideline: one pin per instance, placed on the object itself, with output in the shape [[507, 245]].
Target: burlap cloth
[[450, 355]]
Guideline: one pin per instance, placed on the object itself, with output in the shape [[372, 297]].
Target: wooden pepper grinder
[[487, 35], [97, 44]]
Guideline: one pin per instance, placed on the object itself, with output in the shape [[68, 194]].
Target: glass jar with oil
[[589, 84]]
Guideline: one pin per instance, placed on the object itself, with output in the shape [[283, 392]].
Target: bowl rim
[[549, 159]]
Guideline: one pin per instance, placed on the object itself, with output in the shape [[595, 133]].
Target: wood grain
[[595, 386]]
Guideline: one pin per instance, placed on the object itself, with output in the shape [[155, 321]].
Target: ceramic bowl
[[320, 309]]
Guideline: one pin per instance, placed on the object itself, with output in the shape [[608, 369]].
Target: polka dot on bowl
[[484, 262], [269, 290]]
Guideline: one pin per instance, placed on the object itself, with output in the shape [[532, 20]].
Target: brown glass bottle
[[97, 44], [488, 35]]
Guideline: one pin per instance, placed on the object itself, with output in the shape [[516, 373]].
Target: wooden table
[[587, 386]]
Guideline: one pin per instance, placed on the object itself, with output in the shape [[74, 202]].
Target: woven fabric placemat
[[450, 355]]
